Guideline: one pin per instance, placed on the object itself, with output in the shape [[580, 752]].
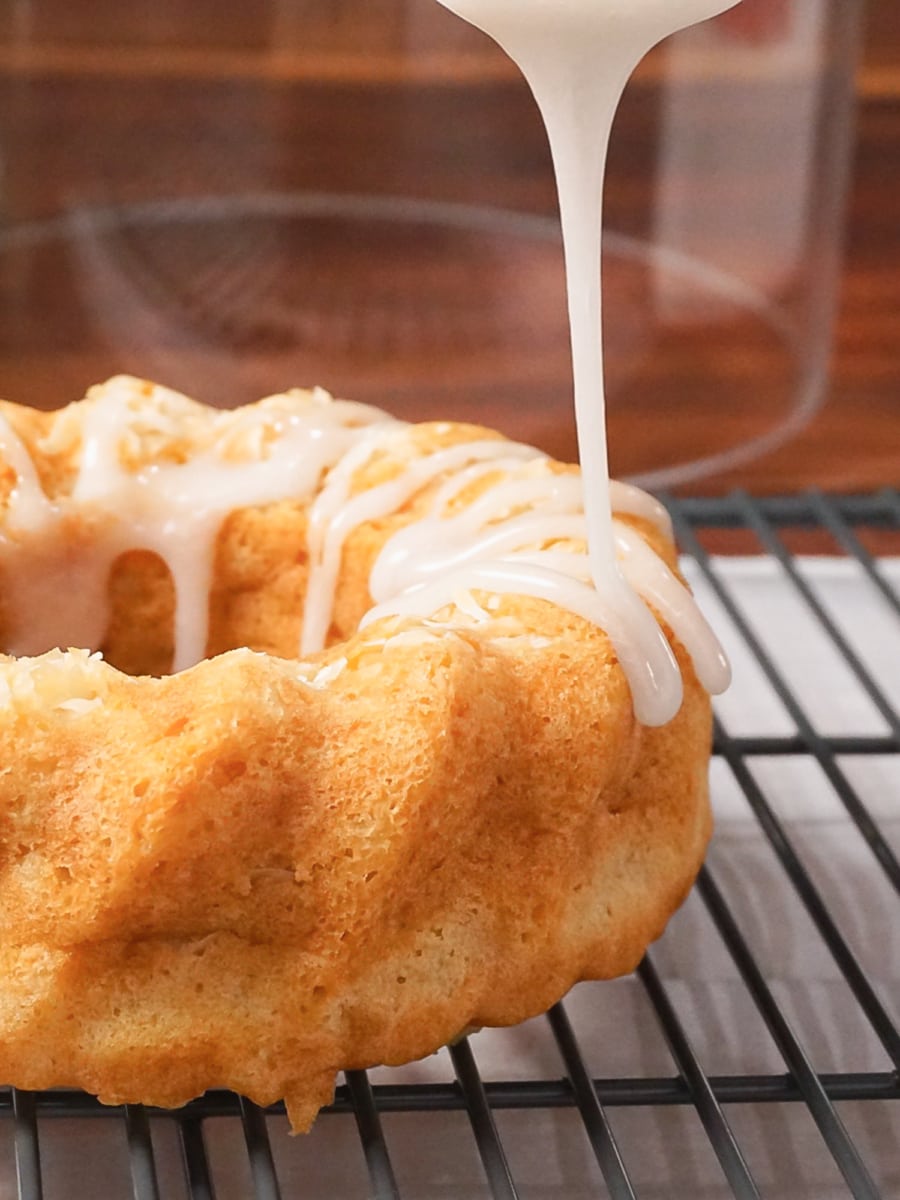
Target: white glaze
[[336, 512], [577, 56], [62, 552], [500, 517]]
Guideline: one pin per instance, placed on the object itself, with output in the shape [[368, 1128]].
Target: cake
[[322, 784]]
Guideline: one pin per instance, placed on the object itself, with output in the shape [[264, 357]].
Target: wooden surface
[[110, 112]]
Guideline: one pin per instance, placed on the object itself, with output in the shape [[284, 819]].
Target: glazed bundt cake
[[344, 762]]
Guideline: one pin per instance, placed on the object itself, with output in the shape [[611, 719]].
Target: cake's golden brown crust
[[230, 878]]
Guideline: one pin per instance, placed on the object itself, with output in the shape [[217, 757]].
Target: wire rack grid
[[755, 1052]]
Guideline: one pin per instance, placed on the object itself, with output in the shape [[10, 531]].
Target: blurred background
[[234, 198]]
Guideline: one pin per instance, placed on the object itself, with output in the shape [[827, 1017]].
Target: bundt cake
[[344, 761]]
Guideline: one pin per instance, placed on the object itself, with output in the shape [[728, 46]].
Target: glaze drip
[[576, 56]]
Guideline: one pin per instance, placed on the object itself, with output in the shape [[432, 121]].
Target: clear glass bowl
[[359, 195]]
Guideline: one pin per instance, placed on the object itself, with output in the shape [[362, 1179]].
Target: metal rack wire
[[716, 1099]]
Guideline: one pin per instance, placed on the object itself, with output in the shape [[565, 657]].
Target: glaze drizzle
[[502, 518]]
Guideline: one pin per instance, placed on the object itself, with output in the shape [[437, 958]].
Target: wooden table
[[116, 108]]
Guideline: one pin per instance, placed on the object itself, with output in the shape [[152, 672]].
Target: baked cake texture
[[259, 871]]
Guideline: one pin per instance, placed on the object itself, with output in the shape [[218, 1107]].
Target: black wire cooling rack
[[175, 1154]]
